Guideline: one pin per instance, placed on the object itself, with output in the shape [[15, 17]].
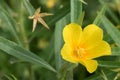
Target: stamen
[[79, 52]]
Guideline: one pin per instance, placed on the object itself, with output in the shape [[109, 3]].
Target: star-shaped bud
[[37, 17]]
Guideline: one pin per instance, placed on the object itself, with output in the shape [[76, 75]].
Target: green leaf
[[113, 16], [29, 7], [109, 64], [99, 76], [14, 78], [112, 31], [116, 51], [9, 77], [13, 49], [110, 12], [76, 10], [59, 39], [6, 7], [10, 24], [66, 71], [83, 1], [58, 15], [80, 18], [98, 18]]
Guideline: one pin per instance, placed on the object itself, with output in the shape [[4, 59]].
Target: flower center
[[79, 52], [37, 16]]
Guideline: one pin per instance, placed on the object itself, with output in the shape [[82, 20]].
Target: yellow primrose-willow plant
[[82, 46]]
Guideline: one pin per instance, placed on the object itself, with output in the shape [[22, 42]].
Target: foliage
[[27, 55]]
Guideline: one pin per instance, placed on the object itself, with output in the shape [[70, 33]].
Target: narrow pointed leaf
[[109, 74], [13, 49], [80, 18], [59, 39], [83, 1], [110, 12], [109, 64], [29, 7], [10, 24], [58, 15], [116, 51], [98, 18], [112, 30], [76, 9]]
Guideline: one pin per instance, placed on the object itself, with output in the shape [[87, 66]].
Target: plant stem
[[24, 39], [21, 28]]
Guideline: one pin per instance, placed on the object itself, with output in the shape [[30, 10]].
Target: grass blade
[[109, 74], [113, 32], [116, 51], [16, 51], [29, 7], [102, 12], [76, 10], [9, 22], [59, 39], [58, 15], [109, 64], [110, 12]]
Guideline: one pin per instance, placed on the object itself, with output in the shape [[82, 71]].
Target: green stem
[[24, 37], [21, 28], [66, 71]]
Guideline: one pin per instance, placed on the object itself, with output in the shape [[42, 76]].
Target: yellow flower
[[83, 46]]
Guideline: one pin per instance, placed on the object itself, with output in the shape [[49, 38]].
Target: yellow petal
[[66, 53], [72, 34], [91, 65], [103, 48], [92, 35]]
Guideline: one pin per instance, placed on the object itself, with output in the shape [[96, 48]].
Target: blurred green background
[[27, 55]]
